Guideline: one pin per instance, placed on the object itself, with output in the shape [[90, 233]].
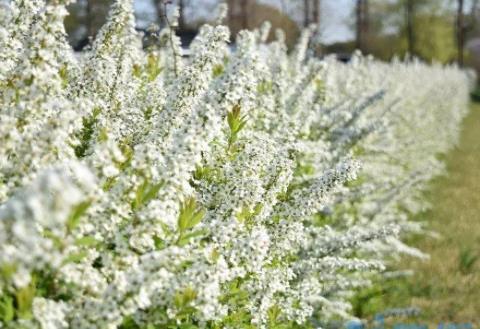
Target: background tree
[[239, 13], [361, 24], [311, 12], [429, 29], [464, 24], [306, 12], [249, 14], [85, 19], [316, 11], [410, 6]]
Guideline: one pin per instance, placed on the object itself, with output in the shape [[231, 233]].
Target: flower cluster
[[234, 188]]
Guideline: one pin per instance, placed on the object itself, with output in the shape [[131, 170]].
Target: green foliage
[[145, 193], [435, 39], [303, 169], [57, 241], [475, 94], [204, 173], [433, 27], [183, 300], [185, 311], [467, 260], [151, 69], [6, 271], [86, 133], [236, 296], [18, 304], [24, 300], [75, 257], [236, 122], [7, 310], [218, 70], [86, 241], [264, 87], [247, 216], [63, 73], [190, 215], [77, 212]]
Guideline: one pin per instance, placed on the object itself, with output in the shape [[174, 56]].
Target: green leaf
[[246, 216], [145, 193], [215, 255], [274, 313], [7, 311], [159, 243], [166, 229], [231, 120], [189, 215], [153, 67], [127, 152], [196, 218], [75, 257], [152, 192], [218, 70], [204, 173], [86, 241], [85, 135], [236, 123], [63, 73], [24, 300], [109, 182], [129, 323], [186, 238], [103, 135], [188, 326], [7, 271], [77, 212], [242, 124], [185, 297], [264, 87], [58, 242], [137, 70]]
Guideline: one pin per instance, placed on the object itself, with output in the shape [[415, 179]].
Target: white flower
[[50, 314], [148, 187]]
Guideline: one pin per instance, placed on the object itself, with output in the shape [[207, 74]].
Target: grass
[[445, 288]]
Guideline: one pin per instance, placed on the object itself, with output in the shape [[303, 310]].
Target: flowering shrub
[[252, 188]]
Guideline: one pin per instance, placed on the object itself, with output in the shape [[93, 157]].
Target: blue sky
[[337, 17]]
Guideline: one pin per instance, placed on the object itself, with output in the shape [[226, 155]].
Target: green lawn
[[447, 287]]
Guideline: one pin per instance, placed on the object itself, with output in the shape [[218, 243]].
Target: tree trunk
[[361, 24], [181, 17], [316, 11], [410, 14], [365, 23], [306, 13], [460, 33], [244, 6], [358, 28], [244, 14], [159, 11], [89, 20]]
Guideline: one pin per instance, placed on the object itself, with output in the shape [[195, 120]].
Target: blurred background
[[433, 30]]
